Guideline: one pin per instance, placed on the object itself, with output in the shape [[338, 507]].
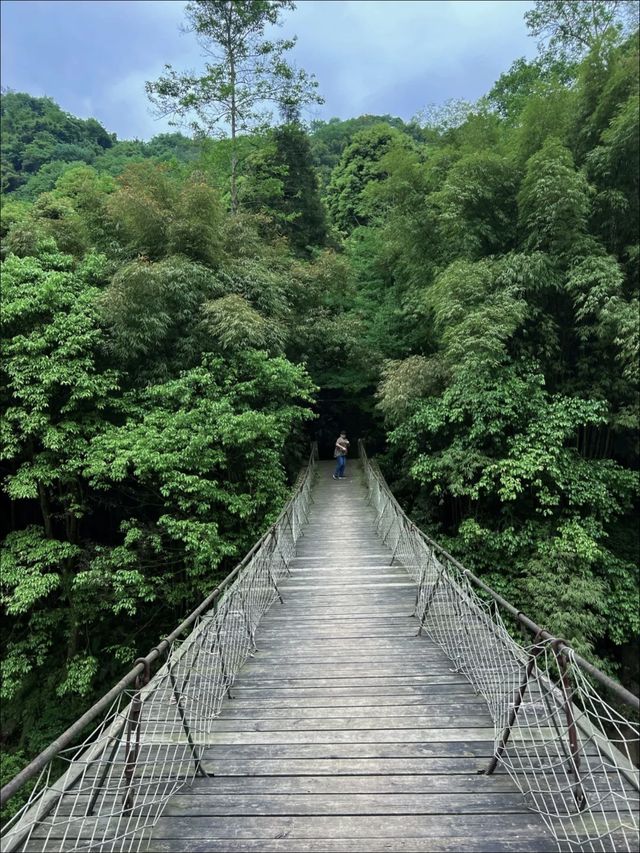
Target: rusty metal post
[[103, 775], [133, 733], [423, 575], [384, 538], [247, 621], [177, 695], [431, 595], [218, 646], [513, 713], [572, 730], [276, 539], [274, 582]]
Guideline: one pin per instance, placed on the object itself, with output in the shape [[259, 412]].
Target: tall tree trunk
[[234, 120], [234, 168], [46, 511]]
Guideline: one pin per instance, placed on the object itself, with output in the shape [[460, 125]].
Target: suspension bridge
[[348, 686]]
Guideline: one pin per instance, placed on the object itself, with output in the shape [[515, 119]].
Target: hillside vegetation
[[465, 286]]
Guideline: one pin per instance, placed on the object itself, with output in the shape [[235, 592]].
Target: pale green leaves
[[31, 567], [235, 324], [597, 286], [554, 202], [79, 676]]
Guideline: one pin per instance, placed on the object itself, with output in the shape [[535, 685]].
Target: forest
[[180, 317]]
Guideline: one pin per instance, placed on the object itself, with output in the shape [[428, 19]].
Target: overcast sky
[[370, 56]]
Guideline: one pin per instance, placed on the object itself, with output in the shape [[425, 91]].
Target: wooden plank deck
[[347, 731]]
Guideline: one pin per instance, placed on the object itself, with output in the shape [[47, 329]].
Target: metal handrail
[[568, 751], [143, 664], [621, 692]]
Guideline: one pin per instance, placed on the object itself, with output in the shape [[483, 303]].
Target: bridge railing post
[[178, 696], [217, 643], [572, 731], [432, 592], [515, 707], [133, 735]]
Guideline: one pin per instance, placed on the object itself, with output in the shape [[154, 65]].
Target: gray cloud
[[370, 56]]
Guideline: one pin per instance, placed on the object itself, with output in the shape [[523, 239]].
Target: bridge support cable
[[569, 749], [151, 728]]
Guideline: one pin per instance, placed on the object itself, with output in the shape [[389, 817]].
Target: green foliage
[[498, 446], [476, 207], [36, 132], [512, 404], [330, 138], [554, 202], [572, 28], [613, 168], [235, 324], [359, 165], [11, 763], [479, 286], [527, 82], [145, 427], [152, 311], [185, 446], [40, 143], [281, 183], [545, 116], [248, 72]]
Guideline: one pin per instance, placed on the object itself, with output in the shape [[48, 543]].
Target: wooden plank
[[286, 723], [324, 580], [433, 685], [367, 631], [313, 622], [353, 681], [367, 599], [354, 827], [460, 735], [275, 654], [380, 783], [347, 670], [247, 710], [386, 589], [279, 660], [410, 805], [456, 844], [363, 637], [226, 764], [347, 749], [369, 642]]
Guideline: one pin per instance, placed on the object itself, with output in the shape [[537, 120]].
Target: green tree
[[282, 183], [571, 28], [35, 132], [554, 202], [330, 138], [513, 90], [248, 72], [360, 165], [56, 394]]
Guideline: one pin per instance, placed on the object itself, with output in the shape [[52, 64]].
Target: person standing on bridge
[[340, 455]]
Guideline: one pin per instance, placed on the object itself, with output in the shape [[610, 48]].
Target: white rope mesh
[[567, 749], [118, 781]]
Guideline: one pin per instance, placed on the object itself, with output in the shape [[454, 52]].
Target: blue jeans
[[341, 464]]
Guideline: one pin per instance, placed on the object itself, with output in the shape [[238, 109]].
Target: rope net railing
[[150, 742], [567, 748]]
